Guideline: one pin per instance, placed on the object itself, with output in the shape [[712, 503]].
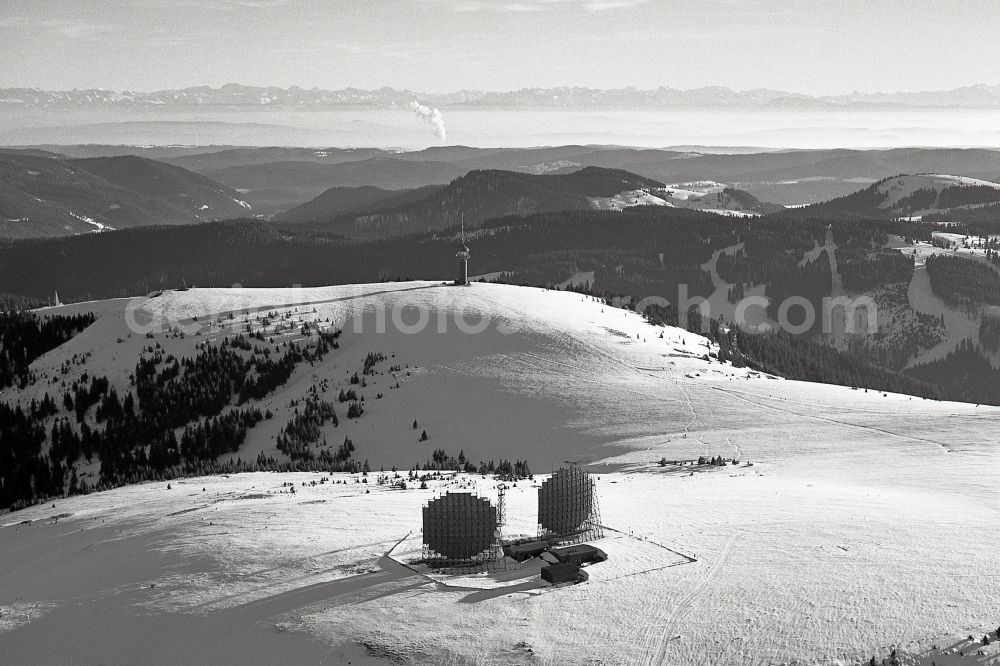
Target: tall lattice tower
[[463, 255], [568, 511]]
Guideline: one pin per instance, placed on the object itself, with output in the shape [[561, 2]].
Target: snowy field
[[865, 521], [703, 195]]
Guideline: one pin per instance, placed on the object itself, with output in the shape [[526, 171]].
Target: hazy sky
[[810, 46]]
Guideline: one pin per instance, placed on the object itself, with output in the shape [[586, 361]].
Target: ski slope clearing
[[707, 196], [628, 199], [862, 524]]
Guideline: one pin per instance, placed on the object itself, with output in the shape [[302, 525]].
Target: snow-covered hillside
[[862, 523], [705, 195], [901, 190]]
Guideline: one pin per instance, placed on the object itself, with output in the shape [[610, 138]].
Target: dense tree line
[[136, 436], [919, 199], [24, 336], [989, 333], [23, 468], [979, 221], [669, 246], [794, 357], [993, 252], [773, 254], [138, 261], [800, 358], [812, 281], [734, 268], [965, 374], [748, 202], [866, 204], [968, 195], [859, 234], [371, 360], [864, 270], [503, 469], [775, 248], [217, 435], [963, 282], [14, 302], [303, 430]]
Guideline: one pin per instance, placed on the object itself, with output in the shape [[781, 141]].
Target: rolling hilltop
[[337, 201], [47, 195], [911, 196], [842, 513], [482, 195]]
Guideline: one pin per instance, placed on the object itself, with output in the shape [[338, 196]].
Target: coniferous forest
[[965, 374], [24, 336], [989, 333], [963, 282], [179, 417]]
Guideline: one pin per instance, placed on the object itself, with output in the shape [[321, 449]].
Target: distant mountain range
[[45, 194], [62, 190], [277, 179], [236, 95]]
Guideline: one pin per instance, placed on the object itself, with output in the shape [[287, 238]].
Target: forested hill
[[483, 194], [337, 201], [638, 251], [905, 195], [47, 195], [542, 248]]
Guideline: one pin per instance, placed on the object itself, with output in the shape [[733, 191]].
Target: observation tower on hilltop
[[463, 255]]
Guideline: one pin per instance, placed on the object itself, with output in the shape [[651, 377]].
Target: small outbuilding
[[548, 557], [564, 572], [580, 554], [525, 551]]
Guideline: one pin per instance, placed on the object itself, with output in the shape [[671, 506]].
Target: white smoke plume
[[433, 116]]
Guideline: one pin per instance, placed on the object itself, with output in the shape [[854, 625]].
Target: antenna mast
[[463, 255]]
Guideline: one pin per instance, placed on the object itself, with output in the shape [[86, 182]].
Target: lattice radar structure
[[568, 511], [460, 530]]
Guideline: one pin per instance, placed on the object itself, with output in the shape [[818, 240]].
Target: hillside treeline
[[867, 269], [24, 336], [794, 357], [978, 221], [963, 282], [179, 416], [989, 333], [252, 254], [965, 374]]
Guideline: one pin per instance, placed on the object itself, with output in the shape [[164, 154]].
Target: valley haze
[[236, 114]]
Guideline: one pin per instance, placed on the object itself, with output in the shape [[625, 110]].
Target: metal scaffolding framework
[[568, 510], [461, 531]]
